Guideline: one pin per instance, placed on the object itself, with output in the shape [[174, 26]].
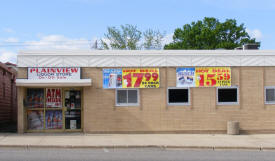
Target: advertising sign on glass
[[35, 120], [53, 97], [53, 73], [54, 119]]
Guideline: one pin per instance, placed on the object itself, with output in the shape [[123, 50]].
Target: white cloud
[[256, 33], [58, 42], [11, 40], [167, 39], [8, 30], [8, 56]]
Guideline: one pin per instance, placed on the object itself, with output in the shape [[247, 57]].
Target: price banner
[[212, 76], [140, 78]]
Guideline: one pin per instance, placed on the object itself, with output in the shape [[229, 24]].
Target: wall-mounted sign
[[55, 73], [140, 78], [53, 97], [131, 78], [186, 77], [204, 77], [112, 78], [213, 76]]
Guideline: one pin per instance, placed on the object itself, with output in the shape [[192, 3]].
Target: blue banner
[[186, 77], [112, 78]]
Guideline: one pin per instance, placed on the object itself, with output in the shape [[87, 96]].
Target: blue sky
[[71, 23]]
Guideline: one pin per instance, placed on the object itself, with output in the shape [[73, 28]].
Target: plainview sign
[[53, 73]]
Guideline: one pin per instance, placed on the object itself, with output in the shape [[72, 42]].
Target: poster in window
[[53, 119], [53, 97], [185, 77], [35, 120], [35, 98], [140, 78], [112, 78], [73, 99], [213, 76]]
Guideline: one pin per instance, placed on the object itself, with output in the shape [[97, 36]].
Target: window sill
[[127, 105], [178, 104], [228, 104]]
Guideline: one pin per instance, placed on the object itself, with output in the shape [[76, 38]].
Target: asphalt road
[[141, 154]]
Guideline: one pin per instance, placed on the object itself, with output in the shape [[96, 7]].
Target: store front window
[[56, 109]]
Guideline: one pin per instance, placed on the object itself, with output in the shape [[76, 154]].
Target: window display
[[53, 108], [73, 99], [35, 120], [54, 119], [35, 98], [73, 119]]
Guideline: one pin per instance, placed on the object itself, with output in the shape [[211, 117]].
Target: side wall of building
[[8, 98], [202, 115]]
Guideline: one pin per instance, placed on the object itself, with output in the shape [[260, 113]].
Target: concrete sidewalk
[[79, 140]]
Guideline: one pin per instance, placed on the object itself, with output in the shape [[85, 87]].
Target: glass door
[[73, 108]]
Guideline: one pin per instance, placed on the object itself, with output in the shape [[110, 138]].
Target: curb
[[138, 146]]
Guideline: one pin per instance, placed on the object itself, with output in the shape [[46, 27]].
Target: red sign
[[53, 97]]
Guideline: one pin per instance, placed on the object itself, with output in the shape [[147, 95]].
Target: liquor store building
[[180, 91]]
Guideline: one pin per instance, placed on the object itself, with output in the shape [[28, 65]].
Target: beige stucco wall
[[203, 115]]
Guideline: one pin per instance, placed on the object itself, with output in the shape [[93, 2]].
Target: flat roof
[[144, 58]]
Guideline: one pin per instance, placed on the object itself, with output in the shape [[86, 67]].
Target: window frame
[[126, 104], [268, 102], [227, 103], [178, 104]]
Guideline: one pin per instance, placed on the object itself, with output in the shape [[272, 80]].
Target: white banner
[[55, 73]]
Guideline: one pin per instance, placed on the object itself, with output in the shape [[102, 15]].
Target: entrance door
[[72, 98]]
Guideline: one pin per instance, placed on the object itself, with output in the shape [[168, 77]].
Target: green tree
[[210, 34], [125, 38], [152, 39], [129, 37]]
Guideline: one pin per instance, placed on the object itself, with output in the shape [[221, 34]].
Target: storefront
[[52, 99], [146, 91]]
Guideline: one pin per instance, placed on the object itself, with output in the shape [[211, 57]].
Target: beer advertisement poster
[[54, 119], [112, 78], [35, 120], [53, 97], [140, 78], [185, 77], [213, 76]]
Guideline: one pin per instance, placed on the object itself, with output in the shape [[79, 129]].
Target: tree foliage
[[126, 38], [210, 34], [129, 37], [152, 39]]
